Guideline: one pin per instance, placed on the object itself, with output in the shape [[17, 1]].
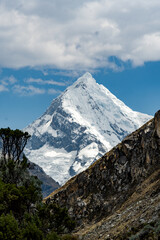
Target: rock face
[[82, 124], [107, 185]]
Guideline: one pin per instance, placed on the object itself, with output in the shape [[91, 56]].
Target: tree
[[14, 172], [22, 213], [13, 143], [19, 200], [18, 190], [32, 232], [9, 229], [13, 163]]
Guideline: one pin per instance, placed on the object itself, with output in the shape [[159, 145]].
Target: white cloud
[[3, 88], [54, 91], [8, 80], [44, 82], [10, 84], [27, 90], [148, 47], [75, 35]]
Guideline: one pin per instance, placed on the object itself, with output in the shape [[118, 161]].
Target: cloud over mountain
[[78, 34]]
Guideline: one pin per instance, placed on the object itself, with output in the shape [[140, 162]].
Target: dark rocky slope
[[119, 189], [48, 183]]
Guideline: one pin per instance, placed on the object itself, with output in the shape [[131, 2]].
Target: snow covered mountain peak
[[82, 124], [84, 81], [87, 75]]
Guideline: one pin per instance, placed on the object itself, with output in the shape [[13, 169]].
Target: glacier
[[79, 126]]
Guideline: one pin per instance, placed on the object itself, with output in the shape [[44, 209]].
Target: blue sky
[[46, 45]]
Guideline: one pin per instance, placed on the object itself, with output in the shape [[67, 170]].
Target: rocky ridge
[[120, 189]]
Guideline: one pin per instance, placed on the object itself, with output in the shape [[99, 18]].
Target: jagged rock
[[108, 183]]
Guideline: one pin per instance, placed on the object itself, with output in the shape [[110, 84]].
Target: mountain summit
[[80, 125]]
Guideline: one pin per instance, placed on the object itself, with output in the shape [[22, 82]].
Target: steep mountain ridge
[[79, 127], [119, 190]]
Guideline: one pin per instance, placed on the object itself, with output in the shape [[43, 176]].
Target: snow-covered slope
[[81, 125]]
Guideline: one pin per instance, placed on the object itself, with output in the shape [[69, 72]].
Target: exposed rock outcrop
[[111, 181]]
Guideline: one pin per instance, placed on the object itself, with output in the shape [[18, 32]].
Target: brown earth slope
[[120, 190]]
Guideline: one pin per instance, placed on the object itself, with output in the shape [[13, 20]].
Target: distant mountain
[[118, 196], [48, 184], [81, 125]]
